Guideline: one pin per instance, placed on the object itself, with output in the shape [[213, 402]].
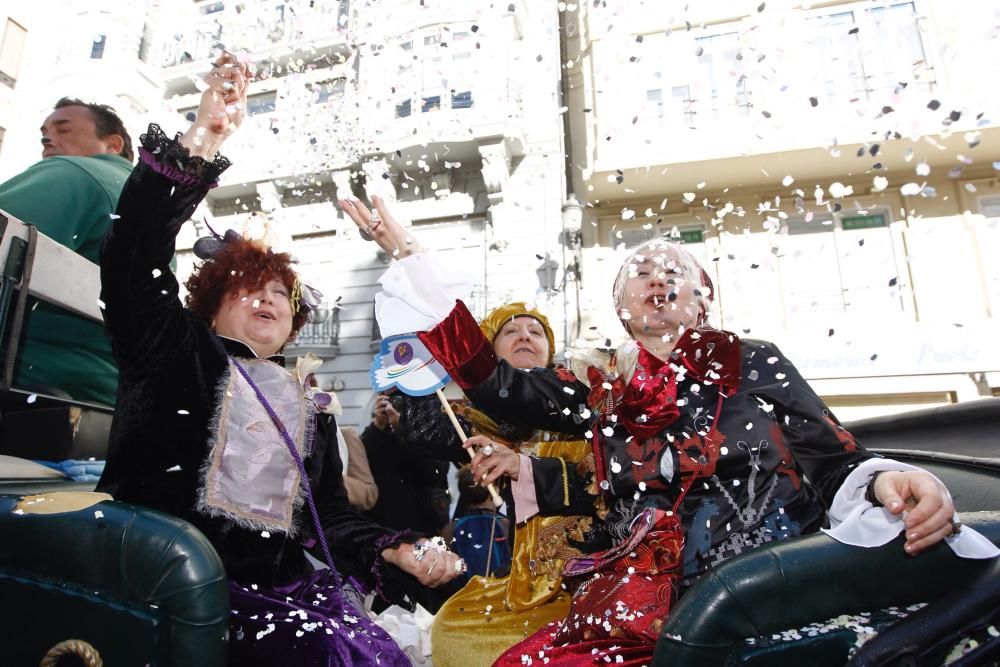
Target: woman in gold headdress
[[491, 613]]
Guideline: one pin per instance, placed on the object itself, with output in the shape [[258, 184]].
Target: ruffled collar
[[711, 356], [648, 402]]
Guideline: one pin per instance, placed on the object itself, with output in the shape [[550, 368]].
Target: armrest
[[136, 561], [790, 584]]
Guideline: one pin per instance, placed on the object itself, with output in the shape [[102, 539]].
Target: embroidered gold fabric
[[490, 614]]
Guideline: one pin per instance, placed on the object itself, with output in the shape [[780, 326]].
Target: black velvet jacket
[[171, 364]]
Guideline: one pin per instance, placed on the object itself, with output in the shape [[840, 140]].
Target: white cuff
[[417, 293], [853, 520]]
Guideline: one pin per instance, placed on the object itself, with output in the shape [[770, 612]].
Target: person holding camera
[[412, 489]]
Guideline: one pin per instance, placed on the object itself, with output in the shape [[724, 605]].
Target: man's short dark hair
[[106, 120]]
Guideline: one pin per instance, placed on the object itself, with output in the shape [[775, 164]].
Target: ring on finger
[[488, 450], [460, 566]]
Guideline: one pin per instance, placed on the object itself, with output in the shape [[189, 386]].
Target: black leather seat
[[790, 584], [142, 587], [968, 429]]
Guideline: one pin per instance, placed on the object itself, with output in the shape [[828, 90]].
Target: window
[[145, 43], [721, 85], [431, 102], [876, 48], [833, 264], [11, 49], [462, 100], [899, 50], [330, 90], [263, 103], [212, 7], [97, 48], [436, 69]]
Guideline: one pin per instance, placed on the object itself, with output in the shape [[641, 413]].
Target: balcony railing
[[322, 336]]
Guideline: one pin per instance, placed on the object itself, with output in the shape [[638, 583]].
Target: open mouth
[[524, 349], [657, 299], [264, 315]]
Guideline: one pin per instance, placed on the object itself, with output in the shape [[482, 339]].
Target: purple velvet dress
[[307, 622]]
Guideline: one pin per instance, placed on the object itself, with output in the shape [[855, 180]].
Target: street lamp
[[572, 234], [572, 221], [546, 273]]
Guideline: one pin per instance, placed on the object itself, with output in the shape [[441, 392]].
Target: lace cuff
[[169, 158], [388, 541]]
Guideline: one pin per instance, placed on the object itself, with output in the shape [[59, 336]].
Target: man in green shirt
[[70, 196]]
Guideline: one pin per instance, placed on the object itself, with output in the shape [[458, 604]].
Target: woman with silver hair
[[706, 446]]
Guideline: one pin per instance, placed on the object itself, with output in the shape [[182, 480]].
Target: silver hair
[[690, 269]]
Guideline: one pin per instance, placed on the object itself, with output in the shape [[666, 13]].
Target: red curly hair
[[243, 264]]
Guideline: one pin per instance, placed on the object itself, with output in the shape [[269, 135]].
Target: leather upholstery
[[141, 586], [969, 429], [974, 605], [789, 584]]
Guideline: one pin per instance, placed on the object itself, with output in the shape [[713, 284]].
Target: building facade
[[97, 51], [832, 164], [448, 110]]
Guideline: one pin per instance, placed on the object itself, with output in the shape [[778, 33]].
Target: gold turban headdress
[[492, 323]]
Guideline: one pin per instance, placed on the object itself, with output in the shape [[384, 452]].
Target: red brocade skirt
[[617, 611]]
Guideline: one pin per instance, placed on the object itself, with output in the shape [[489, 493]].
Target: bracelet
[[870, 491], [565, 482]]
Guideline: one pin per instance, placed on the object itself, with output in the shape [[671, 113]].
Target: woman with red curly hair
[[210, 426]]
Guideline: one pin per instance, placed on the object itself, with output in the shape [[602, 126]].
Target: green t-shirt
[[70, 200]]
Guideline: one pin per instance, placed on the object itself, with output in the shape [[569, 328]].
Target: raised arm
[[540, 398], [138, 290]]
